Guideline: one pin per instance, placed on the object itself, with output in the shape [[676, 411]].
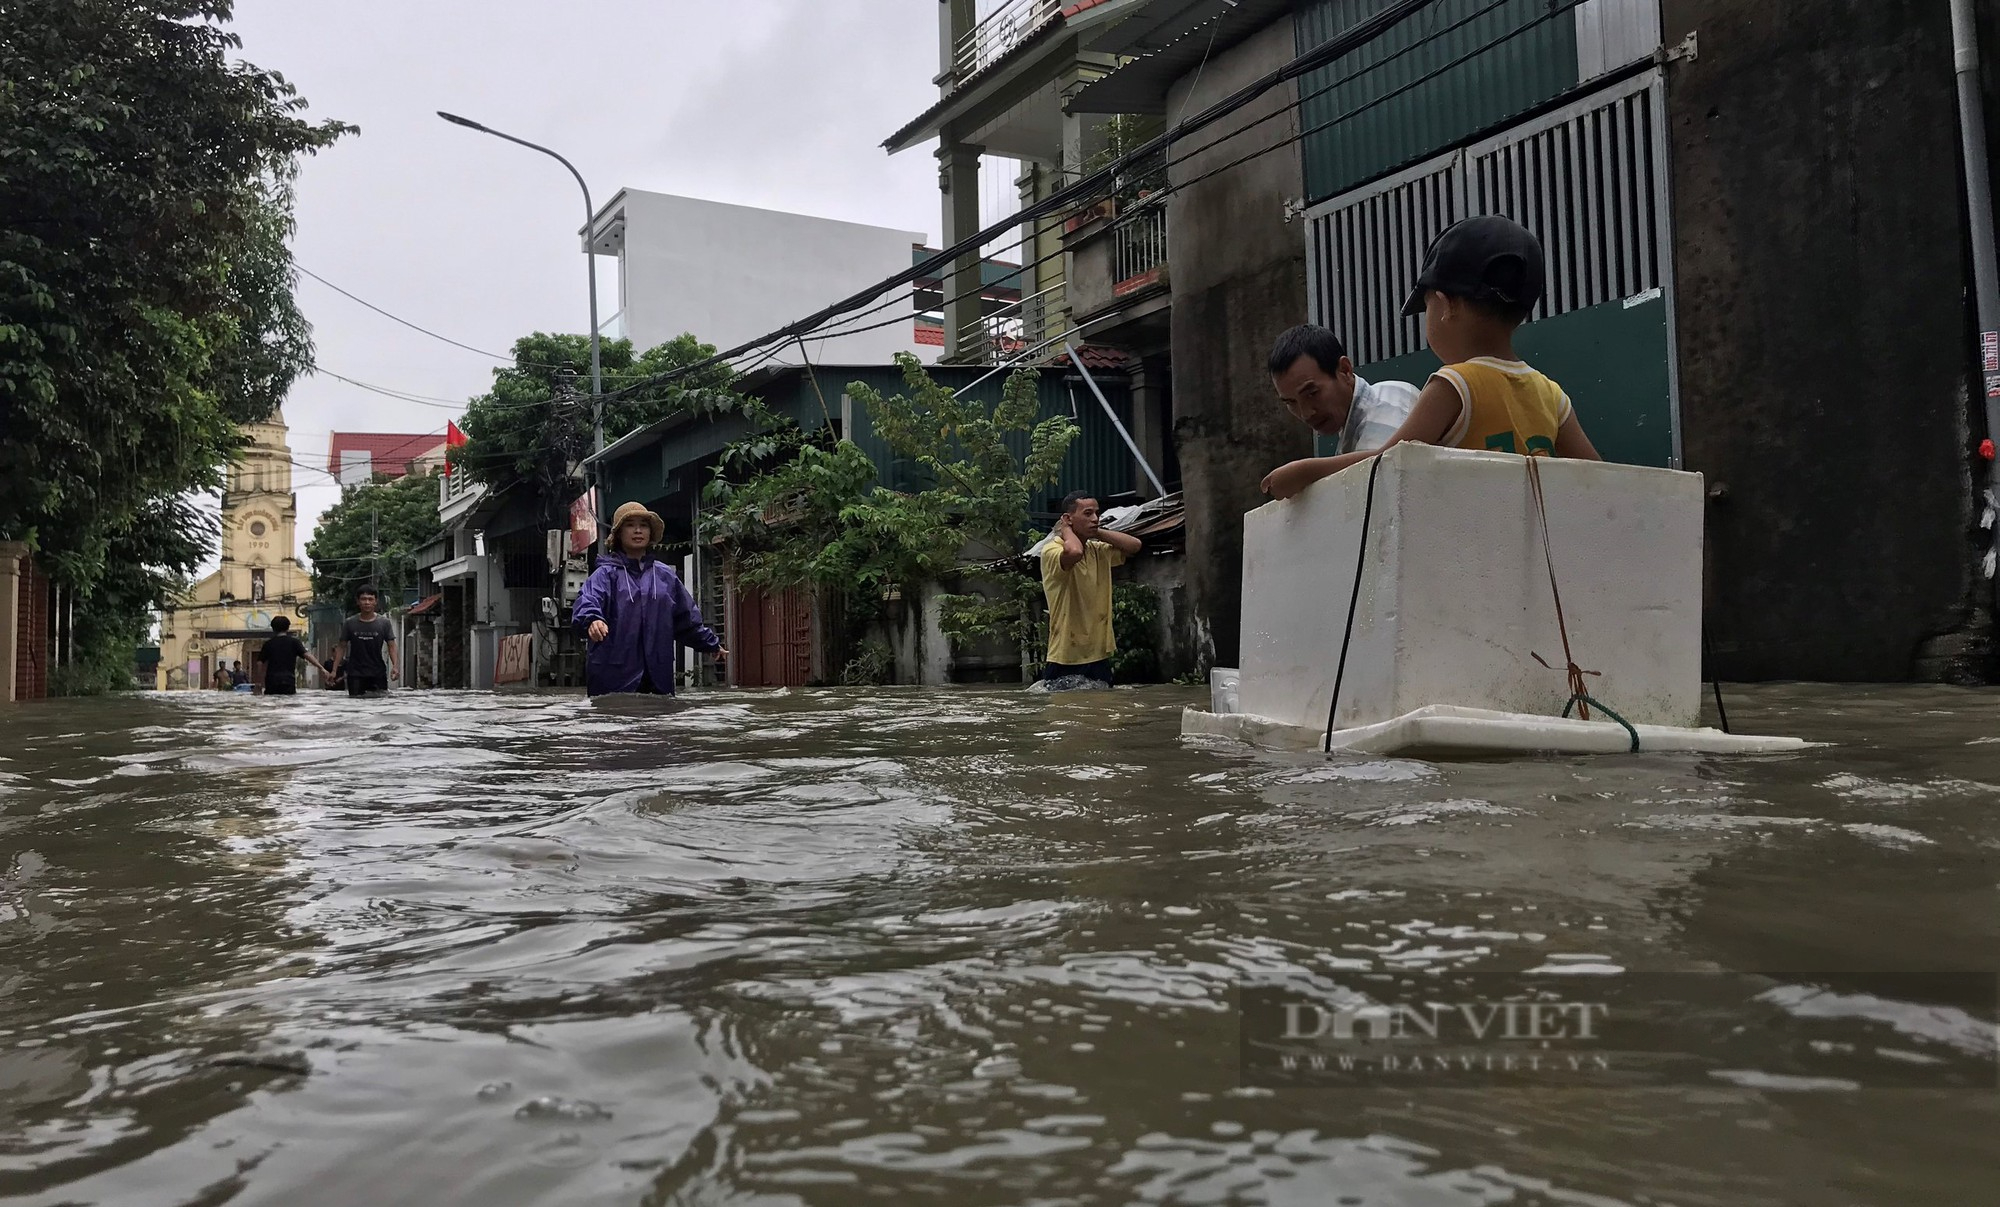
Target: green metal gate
[[1591, 181]]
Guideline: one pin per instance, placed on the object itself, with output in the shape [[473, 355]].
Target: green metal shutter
[[1590, 180], [1521, 54]]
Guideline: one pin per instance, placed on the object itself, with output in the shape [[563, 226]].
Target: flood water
[[967, 947]]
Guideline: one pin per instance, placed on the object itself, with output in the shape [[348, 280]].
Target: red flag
[[583, 523], [453, 437]]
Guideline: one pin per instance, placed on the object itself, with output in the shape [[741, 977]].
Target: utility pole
[[1979, 210], [590, 260], [375, 553]]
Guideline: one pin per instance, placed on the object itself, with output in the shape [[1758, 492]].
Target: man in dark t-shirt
[[367, 650], [280, 657]]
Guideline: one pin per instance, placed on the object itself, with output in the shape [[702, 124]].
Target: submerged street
[[966, 947]]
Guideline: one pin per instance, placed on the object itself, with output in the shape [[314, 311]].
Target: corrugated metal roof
[[974, 88], [1172, 37]]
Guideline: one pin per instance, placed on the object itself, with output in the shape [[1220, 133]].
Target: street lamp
[[590, 258]]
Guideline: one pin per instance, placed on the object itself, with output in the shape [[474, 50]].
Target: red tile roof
[[1097, 357], [388, 452]]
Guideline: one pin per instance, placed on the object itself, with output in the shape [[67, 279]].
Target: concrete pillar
[[1046, 317], [11, 553], [958, 180], [955, 20]]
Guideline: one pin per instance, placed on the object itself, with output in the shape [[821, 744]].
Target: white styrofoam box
[[1455, 590], [1449, 729]]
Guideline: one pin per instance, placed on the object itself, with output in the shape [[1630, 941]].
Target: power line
[[1293, 139], [1290, 107], [391, 391], [1062, 199], [423, 328], [395, 317]]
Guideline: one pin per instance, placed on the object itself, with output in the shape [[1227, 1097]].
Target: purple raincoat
[[648, 611]]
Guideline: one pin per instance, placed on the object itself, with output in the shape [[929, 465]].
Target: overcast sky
[[782, 104]]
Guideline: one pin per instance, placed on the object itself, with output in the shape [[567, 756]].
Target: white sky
[[781, 104]]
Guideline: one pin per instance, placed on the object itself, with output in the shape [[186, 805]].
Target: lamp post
[[590, 258]]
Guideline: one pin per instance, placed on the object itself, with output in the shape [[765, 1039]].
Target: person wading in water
[[635, 610], [1076, 578], [280, 657], [367, 650]]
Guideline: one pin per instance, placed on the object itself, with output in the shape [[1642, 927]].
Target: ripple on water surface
[[980, 946]]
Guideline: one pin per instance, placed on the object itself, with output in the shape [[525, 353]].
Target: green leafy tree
[[146, 304], [149, 559], [381, 523], [803, 511], [535, 424], [144, 296]]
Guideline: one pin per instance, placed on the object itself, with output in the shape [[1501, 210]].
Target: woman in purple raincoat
[[635, 610]]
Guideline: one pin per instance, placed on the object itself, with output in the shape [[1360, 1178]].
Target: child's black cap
[[1486, 259]]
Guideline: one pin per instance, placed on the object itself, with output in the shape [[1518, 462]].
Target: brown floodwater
[[969, 947]]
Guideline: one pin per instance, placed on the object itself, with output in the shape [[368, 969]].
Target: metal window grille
[[1589, 180], [1141, 242]]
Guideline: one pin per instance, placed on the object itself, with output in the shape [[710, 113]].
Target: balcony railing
[[457, 487], [1036, 322], [1141, 242], [1005, 25]]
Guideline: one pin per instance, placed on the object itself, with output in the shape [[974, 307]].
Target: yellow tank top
[[1508, 407]]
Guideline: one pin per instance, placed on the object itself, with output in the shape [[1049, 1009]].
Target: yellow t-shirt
[[1508, 407], [1079, 603]]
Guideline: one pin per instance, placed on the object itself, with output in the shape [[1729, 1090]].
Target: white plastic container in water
[[1455, 602], [1222, 696]]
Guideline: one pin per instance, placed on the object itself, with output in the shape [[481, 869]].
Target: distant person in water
[[634, 610], [1076, 579], [237, 675], [280, 657], [366, 655], [222, 680]]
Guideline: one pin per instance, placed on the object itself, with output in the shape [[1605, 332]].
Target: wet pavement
[[970, 947]]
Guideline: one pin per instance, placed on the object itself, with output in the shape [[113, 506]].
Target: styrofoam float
[[1454, 605]]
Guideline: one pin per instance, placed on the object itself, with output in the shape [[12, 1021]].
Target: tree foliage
[[146, 304], [535, 424], [148, 560], [804, 511], [380, 523]]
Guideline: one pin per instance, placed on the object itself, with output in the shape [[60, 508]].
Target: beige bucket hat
[[634, 511]]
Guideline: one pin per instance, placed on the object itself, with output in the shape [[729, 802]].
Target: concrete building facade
[[226, 616], [731, 273], [1756, 226]]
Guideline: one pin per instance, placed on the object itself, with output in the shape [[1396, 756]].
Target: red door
[[773, 638]]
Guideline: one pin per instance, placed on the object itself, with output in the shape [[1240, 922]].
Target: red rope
[[1578, 695]]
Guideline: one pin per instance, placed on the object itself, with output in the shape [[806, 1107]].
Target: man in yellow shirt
[[1076, 577]]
